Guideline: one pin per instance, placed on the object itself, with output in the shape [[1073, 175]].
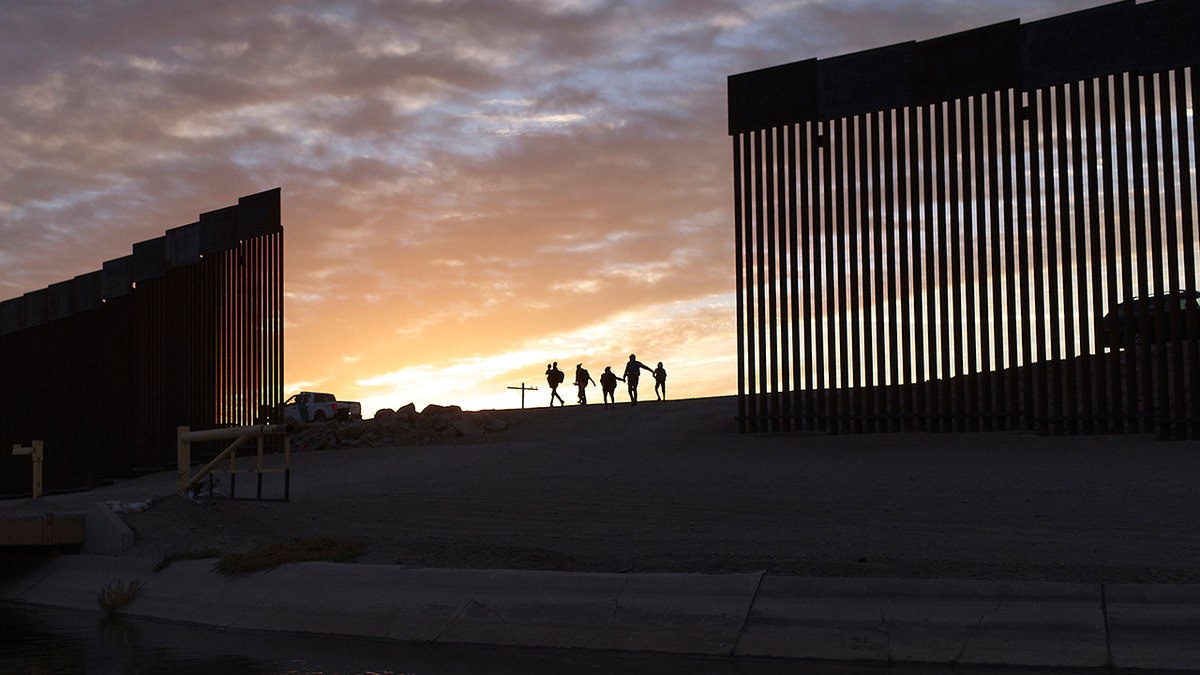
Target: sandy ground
[[672, 486]]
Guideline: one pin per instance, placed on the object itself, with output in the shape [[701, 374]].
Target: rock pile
[[390, 427]]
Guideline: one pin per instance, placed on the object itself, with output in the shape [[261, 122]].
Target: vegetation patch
[[323, 549], [185, 555], [116, 595]]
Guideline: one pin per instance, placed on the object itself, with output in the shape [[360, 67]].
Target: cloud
[[466, 185]]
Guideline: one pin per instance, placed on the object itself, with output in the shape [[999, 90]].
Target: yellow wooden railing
[[240, 436]]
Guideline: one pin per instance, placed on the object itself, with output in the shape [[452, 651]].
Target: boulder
[[490, 423], [384, 415], [465, 426], [433, 411], [397, 424], [352, 431]]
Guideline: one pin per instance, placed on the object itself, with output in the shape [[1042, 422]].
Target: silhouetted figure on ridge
[[608, 384], [554, 377], [660, 382], [632, 372], [582, 377]]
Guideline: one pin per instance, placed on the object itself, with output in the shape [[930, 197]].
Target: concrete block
[[104, 533]]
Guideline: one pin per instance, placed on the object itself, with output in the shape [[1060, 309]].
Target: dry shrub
[[171, 557], [324, 549], [116, 595]]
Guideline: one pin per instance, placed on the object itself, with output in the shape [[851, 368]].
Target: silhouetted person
[[554, 377], [581, 380], [660, 382], [633, 370], [608, 385]]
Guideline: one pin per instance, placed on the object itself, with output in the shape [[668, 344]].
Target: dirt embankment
[[672, 486]]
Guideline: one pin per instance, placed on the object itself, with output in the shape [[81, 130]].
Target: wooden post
[[524, 389], [183, 456]]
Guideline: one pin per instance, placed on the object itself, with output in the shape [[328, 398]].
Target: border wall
[[955, 234], [186, 330]]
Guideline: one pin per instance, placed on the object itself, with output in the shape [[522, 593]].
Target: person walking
[[608, 385], [554, 377], [582, 377], [633, 369], [660, 382]]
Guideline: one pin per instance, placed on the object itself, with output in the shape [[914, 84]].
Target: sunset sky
[[471, 189]]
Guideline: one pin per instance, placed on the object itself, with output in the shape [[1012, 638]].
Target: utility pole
[[524, 389]]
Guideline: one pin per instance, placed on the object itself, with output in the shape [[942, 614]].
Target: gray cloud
[[468, 168]]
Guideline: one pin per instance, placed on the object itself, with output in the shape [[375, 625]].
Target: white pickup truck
[[311, 406]]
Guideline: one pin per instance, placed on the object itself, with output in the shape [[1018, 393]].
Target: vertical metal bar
[[1145, 363], [784, 224], [841, 333], [911, 292], [740, 279], [819, 384], [1094, 351], [771, 383], [796, 176], [881, 272], [280, 362], [761, 270], [1039, 227], [974, 258], [1172, 389], [1185, 101], [1080, 397], [1030, 228], [749, 155], [829, 275], [963, 328], [1066, 137], [1075, 279], [1004, 301], [983, 370], [1057, 225], [1017, 220], [941, 159], [858, 247], [1126, 93], [1114, 410], [896, 316], [1158, 323], [927, 353], [808, 265]]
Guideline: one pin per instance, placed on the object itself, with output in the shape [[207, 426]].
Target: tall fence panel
[[187, 330], [991, 230]]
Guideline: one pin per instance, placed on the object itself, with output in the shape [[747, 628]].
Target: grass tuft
[[324, 549], [185, 555], [116, 595]]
